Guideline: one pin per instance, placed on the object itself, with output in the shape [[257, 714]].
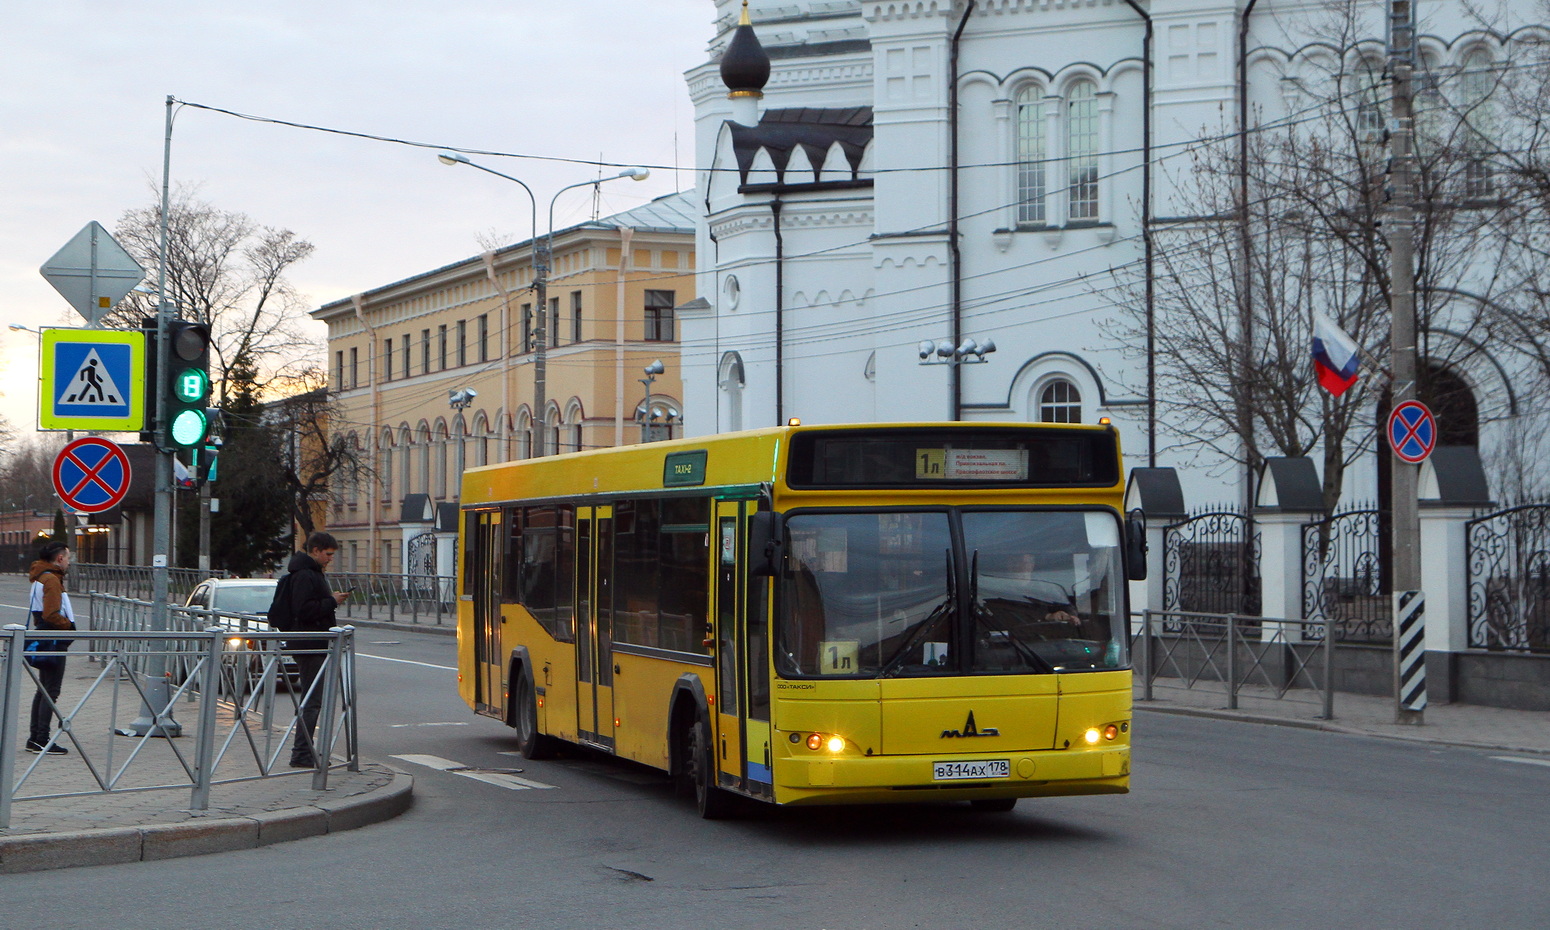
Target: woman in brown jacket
[[51, 610]]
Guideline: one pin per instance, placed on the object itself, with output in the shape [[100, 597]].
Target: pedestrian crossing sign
[[92, 379]]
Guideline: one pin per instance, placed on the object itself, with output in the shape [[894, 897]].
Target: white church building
[[882, 180]]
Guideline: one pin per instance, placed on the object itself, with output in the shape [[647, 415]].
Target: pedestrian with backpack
[[303, 602], [51, 610]]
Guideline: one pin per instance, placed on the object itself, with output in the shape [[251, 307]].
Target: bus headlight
[[1092, 736], [836, 744]]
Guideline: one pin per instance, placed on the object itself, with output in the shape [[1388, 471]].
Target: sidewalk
[[61, 817], [1466, 725]]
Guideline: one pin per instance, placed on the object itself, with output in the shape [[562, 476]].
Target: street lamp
[[943, 352], [652, 370], [541, 256]]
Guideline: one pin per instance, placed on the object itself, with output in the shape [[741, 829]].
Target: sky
[[83, 88]]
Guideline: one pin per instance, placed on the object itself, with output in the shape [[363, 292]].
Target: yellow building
[[441, 370]]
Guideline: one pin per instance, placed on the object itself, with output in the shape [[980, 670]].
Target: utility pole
[[1400, 226]]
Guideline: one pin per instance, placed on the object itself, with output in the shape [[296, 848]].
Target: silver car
[[250, 597]]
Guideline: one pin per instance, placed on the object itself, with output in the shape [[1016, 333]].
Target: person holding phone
[[303, 602]]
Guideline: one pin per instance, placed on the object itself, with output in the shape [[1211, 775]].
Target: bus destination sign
[[971, 464]]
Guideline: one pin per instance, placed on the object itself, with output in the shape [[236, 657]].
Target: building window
[[1060, 402], [425, 351], [484, 337], [659, 316], [527, 328], [339, 370], [441, 346], [462, 343], [387, 359], [1476, 82], [1369, 101], [354, 368], [408, 351], [575, 316], [1082, 149], [552, 337], [1031, 155]]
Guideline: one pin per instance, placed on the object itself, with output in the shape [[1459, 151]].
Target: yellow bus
[[814, 614]]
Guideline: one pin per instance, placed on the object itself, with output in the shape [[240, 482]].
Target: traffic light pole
[[156, 716]]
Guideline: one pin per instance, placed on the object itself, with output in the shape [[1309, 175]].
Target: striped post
[[1410, 624]]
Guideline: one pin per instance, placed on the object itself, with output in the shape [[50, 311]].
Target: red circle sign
[[91, 475], [1412, 431]]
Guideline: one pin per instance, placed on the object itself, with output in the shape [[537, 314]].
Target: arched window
[[385, 464], [524, 434], [406, 463], [1082, 149], [552, 430], [423, 472], [481, 440], [352, 481], [442, 448], [1368, 94], [1032, 151], [1060, 402], [731, 381], [573, 419], [460, 454]]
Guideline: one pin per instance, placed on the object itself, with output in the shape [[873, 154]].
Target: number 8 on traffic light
[[187, 385]]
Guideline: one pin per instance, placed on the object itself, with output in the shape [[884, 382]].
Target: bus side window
[[511, 591]]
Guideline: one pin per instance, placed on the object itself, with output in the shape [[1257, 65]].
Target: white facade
[[1052, 103]]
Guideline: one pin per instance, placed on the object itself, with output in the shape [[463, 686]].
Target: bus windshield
[[951, 592]]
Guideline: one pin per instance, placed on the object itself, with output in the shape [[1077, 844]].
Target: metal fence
[[1211, 562], [1270, 655], [135, 580], [122, 730], [1508, 559], [1343, 580], [429, 599]]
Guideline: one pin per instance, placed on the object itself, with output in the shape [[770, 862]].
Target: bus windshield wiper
[[926, 626]]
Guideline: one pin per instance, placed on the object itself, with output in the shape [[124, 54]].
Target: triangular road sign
[[92, 385]]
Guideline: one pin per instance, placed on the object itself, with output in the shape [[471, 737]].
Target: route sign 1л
[[93, 272], [91, 475], [92, 379], [1412, 431]]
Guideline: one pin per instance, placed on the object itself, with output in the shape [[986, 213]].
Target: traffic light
[[186, 384]]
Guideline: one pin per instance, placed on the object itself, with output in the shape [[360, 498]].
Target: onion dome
[[745, 68]]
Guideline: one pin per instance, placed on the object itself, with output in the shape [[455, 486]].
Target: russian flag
[[1334, 356]]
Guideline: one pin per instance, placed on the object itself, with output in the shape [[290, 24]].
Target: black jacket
[[303, 600]]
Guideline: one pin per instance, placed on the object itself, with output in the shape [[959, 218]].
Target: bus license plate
[[953, 771]]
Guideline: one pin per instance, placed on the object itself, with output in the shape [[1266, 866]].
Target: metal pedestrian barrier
[[208, 701], [1261, 656]]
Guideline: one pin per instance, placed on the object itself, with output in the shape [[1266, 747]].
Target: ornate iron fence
[[1211, 562], [1343, 578], [1508, 559]]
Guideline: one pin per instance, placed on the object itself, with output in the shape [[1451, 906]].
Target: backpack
[[280, 616]]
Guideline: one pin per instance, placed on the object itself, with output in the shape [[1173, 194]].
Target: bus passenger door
[[730, 539], [594, 625], [485, 585]]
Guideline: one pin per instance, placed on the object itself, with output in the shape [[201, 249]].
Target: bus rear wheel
[[712, 802], [533, 744]]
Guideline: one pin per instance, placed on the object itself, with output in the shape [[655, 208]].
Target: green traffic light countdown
[[192, 386]]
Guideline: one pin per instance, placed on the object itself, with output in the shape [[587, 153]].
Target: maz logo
[[969, 729]]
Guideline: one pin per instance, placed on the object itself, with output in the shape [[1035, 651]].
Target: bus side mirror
[[1135, 546], [766, 544]]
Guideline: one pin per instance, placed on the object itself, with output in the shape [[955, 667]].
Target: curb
[[111, 845], [1338, 728]]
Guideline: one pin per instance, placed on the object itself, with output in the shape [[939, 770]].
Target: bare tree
[[318, 463], [226, 270], [27, 472]]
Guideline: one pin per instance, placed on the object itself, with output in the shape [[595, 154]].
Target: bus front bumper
[[909, 779]]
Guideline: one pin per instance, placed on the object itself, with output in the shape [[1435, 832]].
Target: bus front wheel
[[713, 803], [533, 744]]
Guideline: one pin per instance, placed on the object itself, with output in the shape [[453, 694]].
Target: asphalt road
[[1228, 825]]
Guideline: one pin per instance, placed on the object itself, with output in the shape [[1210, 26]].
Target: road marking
[[445, 668], [459, 723], [499, 779], [1545, 762]]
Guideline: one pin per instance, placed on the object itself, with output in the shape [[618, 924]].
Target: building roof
[[670, 213], [781, 131]]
